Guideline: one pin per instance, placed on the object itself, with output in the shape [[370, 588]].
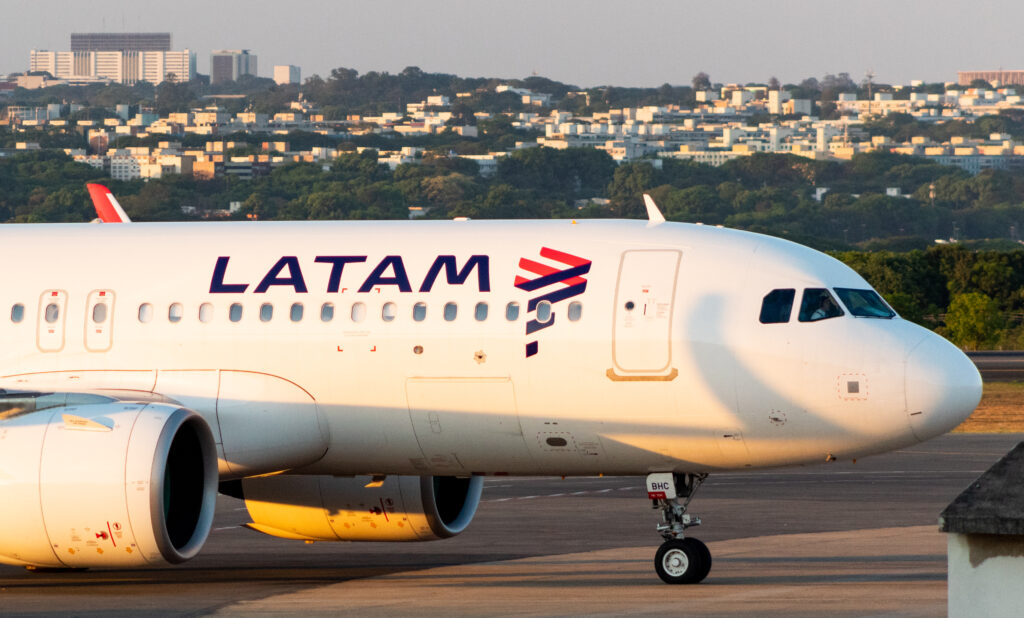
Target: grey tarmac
[[843, 538], [999, 366]]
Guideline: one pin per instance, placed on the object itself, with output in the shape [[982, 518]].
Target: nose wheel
[[680, 559]]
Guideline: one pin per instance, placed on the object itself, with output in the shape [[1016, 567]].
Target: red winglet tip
[[104, 209]]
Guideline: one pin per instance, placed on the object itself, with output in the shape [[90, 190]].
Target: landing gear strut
[[680, 559]]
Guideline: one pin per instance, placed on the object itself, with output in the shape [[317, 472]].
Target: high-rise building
[[123, 67], [1004, 78], [123, 57], [227, 65], [120, 41], [286, 74]]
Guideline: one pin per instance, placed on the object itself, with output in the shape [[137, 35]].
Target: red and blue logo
[[556, 284]]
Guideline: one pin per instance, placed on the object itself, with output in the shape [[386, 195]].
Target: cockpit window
[[818, 304], [777, 306], [865, 303]]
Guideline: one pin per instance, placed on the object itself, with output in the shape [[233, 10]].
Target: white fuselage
[[665, 366]]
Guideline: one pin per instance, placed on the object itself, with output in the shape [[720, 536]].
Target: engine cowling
[[107, 484], [328, 508]]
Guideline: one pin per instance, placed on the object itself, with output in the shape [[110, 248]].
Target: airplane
[[357, 381]]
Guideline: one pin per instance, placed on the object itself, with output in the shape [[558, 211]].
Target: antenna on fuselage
[[654, 216]]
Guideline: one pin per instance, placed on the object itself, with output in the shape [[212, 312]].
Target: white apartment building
[[123, 67], [125, 168], [487, 163], [708, 157], [287, 74]]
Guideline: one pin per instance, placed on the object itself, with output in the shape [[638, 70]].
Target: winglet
[[654, 216], [107, 208]]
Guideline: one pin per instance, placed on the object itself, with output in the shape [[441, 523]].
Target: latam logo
[[557, 283], [390, 271]]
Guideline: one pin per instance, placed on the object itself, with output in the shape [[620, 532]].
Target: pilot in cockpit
[[826, 308]]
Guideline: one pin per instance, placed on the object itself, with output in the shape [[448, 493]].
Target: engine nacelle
[[109, 484], [328, 508]]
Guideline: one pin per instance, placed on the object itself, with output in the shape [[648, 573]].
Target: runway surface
[[996, 366], [599, 534]]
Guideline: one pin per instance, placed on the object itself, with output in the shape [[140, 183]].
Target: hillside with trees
[[345, 91]]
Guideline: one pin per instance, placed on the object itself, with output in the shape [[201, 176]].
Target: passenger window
[[205, 312], [145, 312], [512, 311], [17, 313], [543, 312], [419, 312], [388, 312], [296, 313], [174, 313], [575, 311], [266, 312], [450, 311], [235, 312], [99, 313], [777, 306], [52, 313], [327, 312], [818, 304], [358, 312], [480, 313]]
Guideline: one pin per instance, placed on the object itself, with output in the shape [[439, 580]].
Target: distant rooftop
[[120, 41], [1015, 78], [993, 503]]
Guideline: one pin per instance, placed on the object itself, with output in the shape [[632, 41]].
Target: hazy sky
[[582, 42]]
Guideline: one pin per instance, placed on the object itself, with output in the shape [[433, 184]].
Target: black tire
[[680, 562], [705, 555]]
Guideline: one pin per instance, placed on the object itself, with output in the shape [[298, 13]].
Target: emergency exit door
[[99, 321], [51, 320], [641, 341]]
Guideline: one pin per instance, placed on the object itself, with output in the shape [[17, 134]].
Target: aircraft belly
[[466, 425]]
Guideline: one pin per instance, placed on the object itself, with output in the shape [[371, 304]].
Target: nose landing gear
[[680, 559]]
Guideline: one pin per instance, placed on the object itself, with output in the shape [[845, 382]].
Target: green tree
[[973, 320], [700, 203], [446, 190], [629, 182], [174, 96]]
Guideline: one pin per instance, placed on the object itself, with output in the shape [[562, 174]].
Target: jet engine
[[328, 508], [90, 481]]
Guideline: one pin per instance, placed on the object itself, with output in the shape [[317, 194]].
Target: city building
[[1002, 78], [286, 74], [732, 122], [121, 57], [120, 41], [227, 65]]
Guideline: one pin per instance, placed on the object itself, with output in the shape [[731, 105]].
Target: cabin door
[[641, 342]]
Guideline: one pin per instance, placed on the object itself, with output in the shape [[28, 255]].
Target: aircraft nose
[[942, 386]]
